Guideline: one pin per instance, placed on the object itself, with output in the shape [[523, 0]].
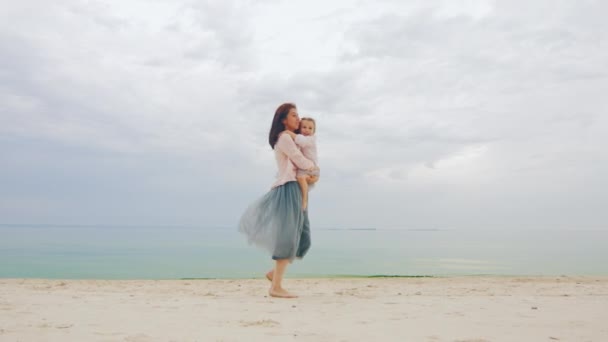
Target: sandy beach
[[472, 309]]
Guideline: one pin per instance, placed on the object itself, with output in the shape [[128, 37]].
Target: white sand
[[361, 309]]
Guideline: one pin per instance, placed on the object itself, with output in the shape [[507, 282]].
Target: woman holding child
[[278, 221]]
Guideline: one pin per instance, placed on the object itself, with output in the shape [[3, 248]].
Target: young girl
[[307, 142]]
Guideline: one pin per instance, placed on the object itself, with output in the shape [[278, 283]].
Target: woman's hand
[[292, 134]]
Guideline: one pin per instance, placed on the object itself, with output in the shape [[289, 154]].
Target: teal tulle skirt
[[277, 223]]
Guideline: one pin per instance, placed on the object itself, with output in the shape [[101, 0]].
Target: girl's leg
[[303, 182], [276, 289]]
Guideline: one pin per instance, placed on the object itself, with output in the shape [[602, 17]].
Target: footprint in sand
[[261, 323], [108, 333], [6, 307], [138, 338]]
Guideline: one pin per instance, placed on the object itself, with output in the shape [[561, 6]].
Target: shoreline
[[328, 277]]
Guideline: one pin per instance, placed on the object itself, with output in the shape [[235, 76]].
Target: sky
[[459, 114]]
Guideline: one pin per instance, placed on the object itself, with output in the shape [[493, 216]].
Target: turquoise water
[[139, 252]]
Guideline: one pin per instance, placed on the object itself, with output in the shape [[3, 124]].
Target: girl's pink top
[[289, 159]]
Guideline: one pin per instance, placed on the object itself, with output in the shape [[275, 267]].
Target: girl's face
[[292, 120], [307, 127]]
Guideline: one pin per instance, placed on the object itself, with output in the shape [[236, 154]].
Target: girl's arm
[[286, 145]]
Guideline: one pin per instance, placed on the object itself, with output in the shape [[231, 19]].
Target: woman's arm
[[286, 145], [301, 140], [304, 141]]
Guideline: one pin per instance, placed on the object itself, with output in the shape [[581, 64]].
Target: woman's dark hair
[[277, 122]]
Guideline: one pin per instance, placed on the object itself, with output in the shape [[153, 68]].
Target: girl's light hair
[[314, 129]]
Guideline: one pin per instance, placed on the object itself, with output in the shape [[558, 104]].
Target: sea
[[208, 252]]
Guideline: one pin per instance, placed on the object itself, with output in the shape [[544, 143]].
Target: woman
[[276, 221]]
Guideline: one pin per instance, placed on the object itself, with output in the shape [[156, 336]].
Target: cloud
[[471, 109], [124, 85], [227, 30]]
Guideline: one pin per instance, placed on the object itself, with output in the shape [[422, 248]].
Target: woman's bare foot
[[281, 293], [269, 275]]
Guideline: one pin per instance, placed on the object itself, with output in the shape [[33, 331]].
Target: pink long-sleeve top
[[289, 159]]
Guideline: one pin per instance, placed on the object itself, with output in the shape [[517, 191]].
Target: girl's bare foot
[[269, 275], [281, 293]]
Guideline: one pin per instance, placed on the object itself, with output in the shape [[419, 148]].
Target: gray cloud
[[472, 114], [100, 13], [227, 33]]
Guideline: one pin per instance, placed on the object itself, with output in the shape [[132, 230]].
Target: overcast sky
[[430, 114]]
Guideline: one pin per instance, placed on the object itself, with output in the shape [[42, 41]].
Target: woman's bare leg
[[276, 289]]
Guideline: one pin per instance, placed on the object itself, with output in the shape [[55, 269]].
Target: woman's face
[[292, 120]]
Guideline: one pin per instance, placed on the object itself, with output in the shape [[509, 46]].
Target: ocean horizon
[[196, 252]]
